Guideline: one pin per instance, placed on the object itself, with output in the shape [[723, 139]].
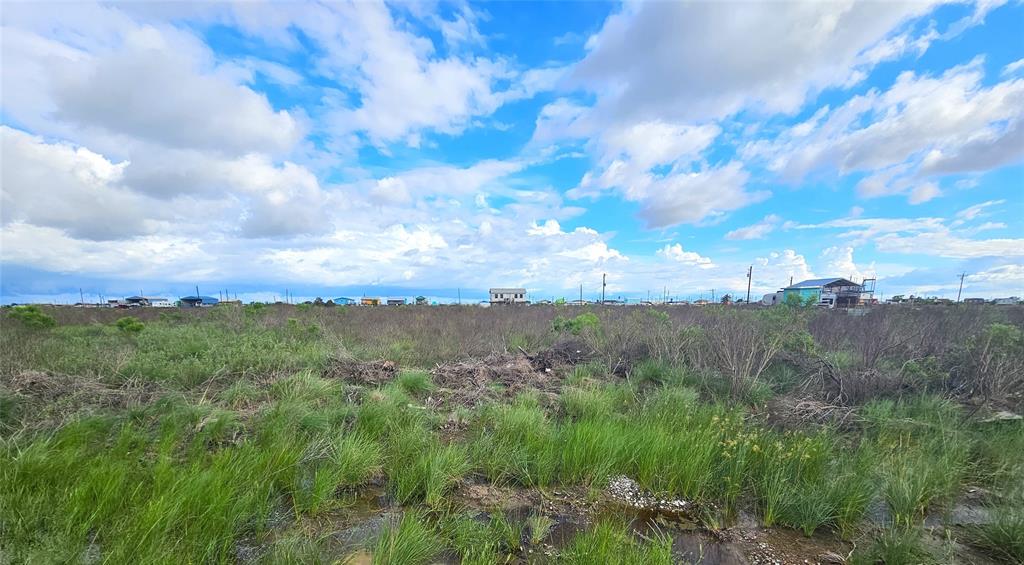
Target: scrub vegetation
[[426, 434]]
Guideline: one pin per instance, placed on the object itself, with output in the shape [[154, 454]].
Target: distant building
[[135, 301], [198, 301], [1007, 301], [831, 292], [975, 301], [344, 301], [508, 296], [366, 301], [421, 300], [396, 302]]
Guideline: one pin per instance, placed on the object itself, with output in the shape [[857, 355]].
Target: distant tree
[[726, 299], [318, 302]]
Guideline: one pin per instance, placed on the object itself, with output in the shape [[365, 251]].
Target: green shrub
[[577, 325], [130, 325], [32, 316]]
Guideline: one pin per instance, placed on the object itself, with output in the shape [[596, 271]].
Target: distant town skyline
[[422, 148]]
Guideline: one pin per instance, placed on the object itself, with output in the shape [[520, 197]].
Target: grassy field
[[409, 435]]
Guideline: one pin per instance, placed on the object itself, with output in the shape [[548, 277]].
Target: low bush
[[32, 316]]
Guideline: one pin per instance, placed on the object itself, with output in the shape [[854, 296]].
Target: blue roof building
[[198, 301], [344, 301], [830, 292]]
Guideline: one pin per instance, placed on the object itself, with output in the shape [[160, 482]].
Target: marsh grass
[[409, 541], [1003, 537], [472, 540], [415, 382], [610, 541], [539, 527]]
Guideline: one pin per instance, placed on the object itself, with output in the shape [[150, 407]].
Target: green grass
[[539, 526], [243, 427], [415, 382], [894, 546], [410, 541], [609, 541], [1004, 536]]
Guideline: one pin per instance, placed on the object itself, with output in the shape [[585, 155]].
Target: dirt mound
[[361, 372], [498, 375], [565, 352]]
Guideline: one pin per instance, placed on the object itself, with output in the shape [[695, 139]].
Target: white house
[[508, 296]]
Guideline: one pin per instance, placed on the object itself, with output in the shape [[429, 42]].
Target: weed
[[539, 526]]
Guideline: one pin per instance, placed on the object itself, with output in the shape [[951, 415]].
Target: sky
[[349, 149]]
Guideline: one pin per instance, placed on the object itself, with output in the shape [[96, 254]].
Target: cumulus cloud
[[922, 125], [676, 253], [701, 61], [70, 188]]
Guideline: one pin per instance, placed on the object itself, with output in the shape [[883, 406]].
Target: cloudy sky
[[341, 149]]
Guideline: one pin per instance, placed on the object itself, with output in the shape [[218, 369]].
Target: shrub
[[130, 325], [32, 316], [577, 325]]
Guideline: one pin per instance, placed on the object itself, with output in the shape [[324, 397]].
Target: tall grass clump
[[517, 442], [610, 541], [472, 539], [410, 541], [415, 382], [1004, 535], [925, 454], [421, 468]]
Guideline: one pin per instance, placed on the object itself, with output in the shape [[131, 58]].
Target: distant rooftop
[[815, 283]]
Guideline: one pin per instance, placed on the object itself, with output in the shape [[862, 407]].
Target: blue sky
[[396, 149]]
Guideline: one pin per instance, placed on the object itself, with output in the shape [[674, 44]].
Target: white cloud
[[922, 125], [125, 90], [779, 267], [676, 253], [839, 262], [1013, 67], [701, 61], [70, 188], [760, 230]]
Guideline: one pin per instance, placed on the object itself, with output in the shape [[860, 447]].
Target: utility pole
[[581, 294], [712, 295], [959, 292], [81, 295], [197, 294], [604, 278], [459, 294], [750, 274]]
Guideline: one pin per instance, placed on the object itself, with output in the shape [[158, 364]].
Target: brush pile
[[471, 381], [371, 373]]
